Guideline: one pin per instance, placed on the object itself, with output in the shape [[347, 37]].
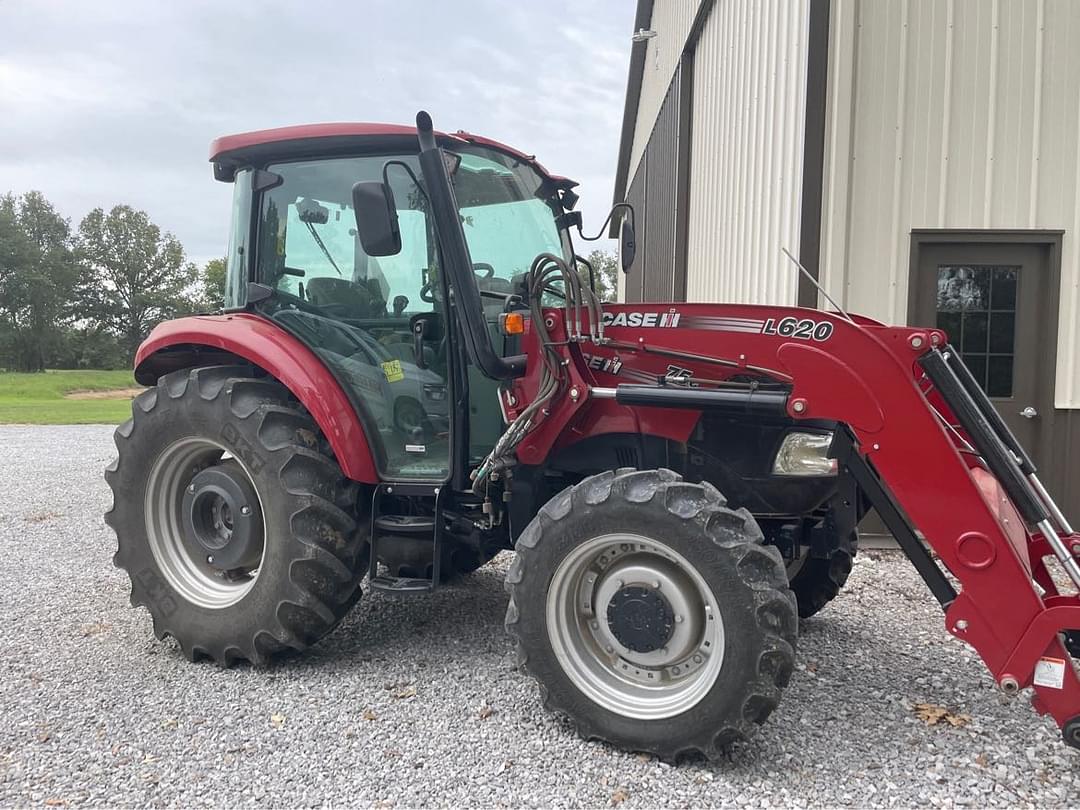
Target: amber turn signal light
[[512, 323]]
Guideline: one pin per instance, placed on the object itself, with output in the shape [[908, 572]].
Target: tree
[[37, 278], [137, 274], [605, 274], [212, 292]]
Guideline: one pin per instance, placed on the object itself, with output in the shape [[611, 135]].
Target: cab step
[[407, 585], [405, 524], [389, 523]]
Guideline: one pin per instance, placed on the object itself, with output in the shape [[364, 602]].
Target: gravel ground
[[416, 702]]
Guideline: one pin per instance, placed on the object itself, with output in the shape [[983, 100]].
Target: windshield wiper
[[322, 246]]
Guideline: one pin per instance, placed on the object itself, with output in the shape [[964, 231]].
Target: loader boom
[[915, 438]]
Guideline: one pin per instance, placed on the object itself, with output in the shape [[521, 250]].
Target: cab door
[[357, 312]]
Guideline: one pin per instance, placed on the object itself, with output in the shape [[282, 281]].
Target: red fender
[[270, 347]]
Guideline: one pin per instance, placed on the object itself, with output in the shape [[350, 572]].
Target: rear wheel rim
[[183, 562], [635, 626]]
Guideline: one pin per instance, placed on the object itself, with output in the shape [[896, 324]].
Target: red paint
[[223, 146], [865, 376], [289, 361]]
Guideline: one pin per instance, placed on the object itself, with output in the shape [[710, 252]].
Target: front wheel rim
[[635, 627], [186, 566]]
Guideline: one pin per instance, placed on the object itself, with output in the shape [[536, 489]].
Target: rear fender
[[212, 339]]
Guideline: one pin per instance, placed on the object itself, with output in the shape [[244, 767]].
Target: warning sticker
[[1050, 672], [393, 371]]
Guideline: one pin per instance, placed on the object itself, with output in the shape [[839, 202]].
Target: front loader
[[414, 372]]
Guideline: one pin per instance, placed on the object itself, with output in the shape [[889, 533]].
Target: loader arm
[[917, 441]]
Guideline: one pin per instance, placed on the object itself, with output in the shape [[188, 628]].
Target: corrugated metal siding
[[955, 114], [630, 288], [652, 192], [746, 163], [660, 186], [672, 21]]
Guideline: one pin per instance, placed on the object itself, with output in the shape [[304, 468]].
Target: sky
[[116, 101]]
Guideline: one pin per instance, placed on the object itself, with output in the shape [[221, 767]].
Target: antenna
[[820, 289]]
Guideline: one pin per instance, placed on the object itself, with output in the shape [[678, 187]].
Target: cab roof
[[230, 152]]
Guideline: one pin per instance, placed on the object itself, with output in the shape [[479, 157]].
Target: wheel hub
[[640, 619], [221, 516], [634, 626]]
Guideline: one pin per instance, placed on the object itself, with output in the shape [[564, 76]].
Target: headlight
[[804, 454]]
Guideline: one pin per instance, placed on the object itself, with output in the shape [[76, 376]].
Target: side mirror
[[627, 245], [376, 218]]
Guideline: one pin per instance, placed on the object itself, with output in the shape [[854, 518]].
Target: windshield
[[508, 215]]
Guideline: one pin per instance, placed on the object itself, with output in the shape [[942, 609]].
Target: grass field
[[65, 397]]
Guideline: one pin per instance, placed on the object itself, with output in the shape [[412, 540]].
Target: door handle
[[418, 330], [1029, 412]]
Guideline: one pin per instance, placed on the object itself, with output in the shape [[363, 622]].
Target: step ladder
[[384, 523]]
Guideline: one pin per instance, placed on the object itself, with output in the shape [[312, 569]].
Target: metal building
[[921, 157]]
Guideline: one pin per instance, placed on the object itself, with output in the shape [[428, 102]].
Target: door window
[[356, 311], [976, 306]]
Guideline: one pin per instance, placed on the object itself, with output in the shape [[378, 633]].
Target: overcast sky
[[117, 101]]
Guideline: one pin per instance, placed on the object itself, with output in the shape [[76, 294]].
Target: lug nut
[[245, 510], [191, 488], [210, 559], [678, 619], [656, 584]]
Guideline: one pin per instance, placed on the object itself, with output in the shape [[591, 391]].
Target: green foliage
[[38, 277], [605, 273], [86, 299], [43, 399], [212, 285], [137, 274]]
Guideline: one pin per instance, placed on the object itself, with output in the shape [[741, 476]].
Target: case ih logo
[[645, 319]]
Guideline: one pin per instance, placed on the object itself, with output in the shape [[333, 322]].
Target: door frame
[[1048, 240]]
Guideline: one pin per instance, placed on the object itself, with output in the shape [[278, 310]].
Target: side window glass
[[236, 256]]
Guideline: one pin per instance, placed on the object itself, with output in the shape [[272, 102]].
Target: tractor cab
[[380, 319]]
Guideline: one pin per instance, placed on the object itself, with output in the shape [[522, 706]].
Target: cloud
[[107, 103]]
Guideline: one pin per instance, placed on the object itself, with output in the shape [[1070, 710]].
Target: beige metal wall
[[950, 114], [672, 21], [746, 159]]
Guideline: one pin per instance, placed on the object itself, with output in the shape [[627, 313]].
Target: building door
[[993, 300]]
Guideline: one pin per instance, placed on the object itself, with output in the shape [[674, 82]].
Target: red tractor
[[413, 372]]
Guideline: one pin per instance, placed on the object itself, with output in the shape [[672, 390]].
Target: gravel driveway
[[416, 702]]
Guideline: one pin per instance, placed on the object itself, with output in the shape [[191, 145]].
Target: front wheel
[[816, 581], [232, 519], [651, 614]]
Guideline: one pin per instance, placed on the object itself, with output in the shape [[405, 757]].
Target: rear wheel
[[652, 615], [233, 520], [816, 581]]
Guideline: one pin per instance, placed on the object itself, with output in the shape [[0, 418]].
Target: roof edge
[[230, 146]]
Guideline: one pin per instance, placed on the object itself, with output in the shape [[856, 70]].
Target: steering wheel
[[488, 270], [341, 298]]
